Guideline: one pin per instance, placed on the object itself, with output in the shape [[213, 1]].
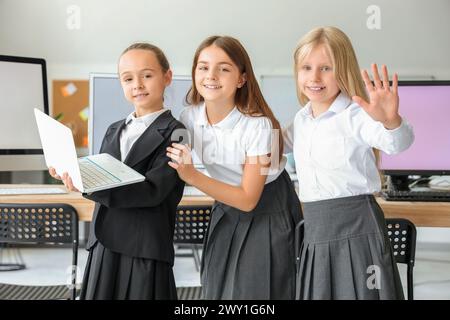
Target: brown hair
[[249, 99], [160, 56]]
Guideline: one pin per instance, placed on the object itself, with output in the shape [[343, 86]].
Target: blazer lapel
[[112, 141], [150, 139]]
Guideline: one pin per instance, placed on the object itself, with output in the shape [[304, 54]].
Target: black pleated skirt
[[251, 255], [114, 276], [346, 252]]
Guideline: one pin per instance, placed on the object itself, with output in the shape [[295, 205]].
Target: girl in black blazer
[[131, 240]]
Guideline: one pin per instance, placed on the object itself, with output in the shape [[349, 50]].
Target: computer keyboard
[[19, 191], [94, 176], [434, 196]]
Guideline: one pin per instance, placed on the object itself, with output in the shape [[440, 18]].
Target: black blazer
[[138, 220]]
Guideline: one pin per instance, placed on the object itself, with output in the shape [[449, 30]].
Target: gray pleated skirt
[[251, 255], [346, 252], [113, 276]]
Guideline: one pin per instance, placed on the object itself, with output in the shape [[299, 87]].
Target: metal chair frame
[[41, 223]]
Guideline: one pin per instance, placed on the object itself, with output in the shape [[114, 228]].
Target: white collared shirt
[[333, 152], [133, 129], [223, 147]]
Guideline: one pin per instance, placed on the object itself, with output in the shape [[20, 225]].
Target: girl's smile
[[140, 96], [315, 89], [213, 87]]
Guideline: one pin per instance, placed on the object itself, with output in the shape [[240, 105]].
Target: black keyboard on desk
[[434, 196]]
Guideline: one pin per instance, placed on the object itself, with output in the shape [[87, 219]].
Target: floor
[[46, 266]]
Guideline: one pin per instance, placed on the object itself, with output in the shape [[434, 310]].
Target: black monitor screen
[[23, 87]]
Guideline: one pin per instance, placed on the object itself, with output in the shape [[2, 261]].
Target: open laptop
[[89, 174]]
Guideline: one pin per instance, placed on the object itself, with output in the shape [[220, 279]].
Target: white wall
[[413, 39]]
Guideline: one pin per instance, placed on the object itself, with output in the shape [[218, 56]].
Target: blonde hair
[[249, 99], [345, 64]]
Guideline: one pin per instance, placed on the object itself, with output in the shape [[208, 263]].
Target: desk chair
[[190, 228], [40, 224], [402, 234]]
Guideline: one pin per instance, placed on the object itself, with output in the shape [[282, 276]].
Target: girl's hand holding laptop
[[65, 179]]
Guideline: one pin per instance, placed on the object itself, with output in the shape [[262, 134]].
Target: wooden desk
[[83, 206], [422, 214]]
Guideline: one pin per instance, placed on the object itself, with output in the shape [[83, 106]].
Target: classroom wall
[[412, 38]]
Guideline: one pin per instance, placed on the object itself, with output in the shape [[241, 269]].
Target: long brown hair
[[248, 99]]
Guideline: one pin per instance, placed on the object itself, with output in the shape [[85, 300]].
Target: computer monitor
[[108, 103], [281, 95], [23, 87], [426, 106]]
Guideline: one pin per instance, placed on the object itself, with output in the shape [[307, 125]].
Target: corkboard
[[70, 103]]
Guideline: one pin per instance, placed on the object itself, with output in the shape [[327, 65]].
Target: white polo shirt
[[333, 152], [223, 147]]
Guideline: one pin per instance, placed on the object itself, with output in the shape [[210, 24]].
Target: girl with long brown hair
[[249, 248]]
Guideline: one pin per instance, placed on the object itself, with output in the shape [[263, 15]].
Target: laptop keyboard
[[94, 176]]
